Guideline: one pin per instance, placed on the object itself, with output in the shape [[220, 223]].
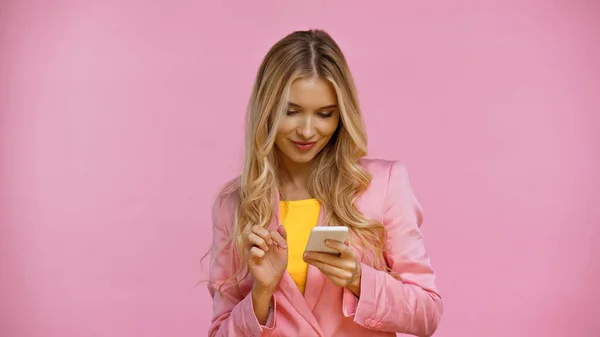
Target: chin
[[302, 159]]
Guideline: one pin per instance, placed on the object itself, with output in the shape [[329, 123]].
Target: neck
[[294, 174], [293, 177]]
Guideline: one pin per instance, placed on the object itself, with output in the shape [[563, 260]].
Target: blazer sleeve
[[409, 304], [233, 313]]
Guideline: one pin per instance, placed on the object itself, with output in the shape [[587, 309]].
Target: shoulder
[[384, 170], [389, 187], [229, 190], [225, 202]]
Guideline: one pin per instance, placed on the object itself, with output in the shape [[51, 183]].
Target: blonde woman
[[304, 166]]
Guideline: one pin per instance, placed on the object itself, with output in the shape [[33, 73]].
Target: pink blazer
[[411, 305]]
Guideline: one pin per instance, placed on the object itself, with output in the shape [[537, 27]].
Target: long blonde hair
[[336, 178]]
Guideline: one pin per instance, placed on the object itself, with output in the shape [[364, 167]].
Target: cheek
[[328, 127], [285, 128]]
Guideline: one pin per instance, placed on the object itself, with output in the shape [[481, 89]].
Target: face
[[311, 120]]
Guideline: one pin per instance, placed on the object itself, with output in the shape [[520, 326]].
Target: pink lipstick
[[304, 146]]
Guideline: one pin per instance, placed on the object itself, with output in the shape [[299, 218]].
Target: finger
[[278, 239], [258, 241], [281, 230], [345, 263], [256, 253], [338, 281], [324, 258], [340, 247], [331, 271], [263, 233]]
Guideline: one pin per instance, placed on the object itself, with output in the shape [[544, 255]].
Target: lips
[[304, 146]]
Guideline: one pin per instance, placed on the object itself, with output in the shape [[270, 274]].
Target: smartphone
[[318, 235]]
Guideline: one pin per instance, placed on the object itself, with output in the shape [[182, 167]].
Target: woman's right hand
[[267, 256]]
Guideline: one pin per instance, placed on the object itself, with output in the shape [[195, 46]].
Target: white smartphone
[[318, 235]]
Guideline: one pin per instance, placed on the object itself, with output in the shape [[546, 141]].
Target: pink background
[[114, 114]]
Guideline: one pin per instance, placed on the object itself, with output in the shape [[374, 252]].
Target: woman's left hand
[[343, 270]]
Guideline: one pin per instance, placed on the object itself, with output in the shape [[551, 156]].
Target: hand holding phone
[[318, 235], [339, 263]]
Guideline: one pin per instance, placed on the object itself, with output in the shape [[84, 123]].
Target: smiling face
[[311, 120]]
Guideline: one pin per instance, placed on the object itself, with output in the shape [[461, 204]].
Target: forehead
[[312, 93]]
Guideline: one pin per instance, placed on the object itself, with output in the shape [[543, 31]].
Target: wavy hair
[[336, 178]]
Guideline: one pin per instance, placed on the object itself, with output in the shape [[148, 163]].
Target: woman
[[304, 166]]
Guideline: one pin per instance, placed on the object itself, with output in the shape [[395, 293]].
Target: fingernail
[[327, 243]]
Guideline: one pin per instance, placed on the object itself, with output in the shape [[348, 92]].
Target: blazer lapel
[[288, 287], [314, 279]]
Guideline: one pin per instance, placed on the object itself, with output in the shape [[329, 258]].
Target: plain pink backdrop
[[113, 115]]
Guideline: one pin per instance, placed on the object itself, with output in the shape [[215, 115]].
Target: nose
[[306, 128]]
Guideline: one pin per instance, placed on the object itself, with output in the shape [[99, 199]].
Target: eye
[[325, 114], [291, 112]]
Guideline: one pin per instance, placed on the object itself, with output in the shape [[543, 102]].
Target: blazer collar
[[314, 281]]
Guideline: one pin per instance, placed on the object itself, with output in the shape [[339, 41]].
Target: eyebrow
[[331, 106]]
